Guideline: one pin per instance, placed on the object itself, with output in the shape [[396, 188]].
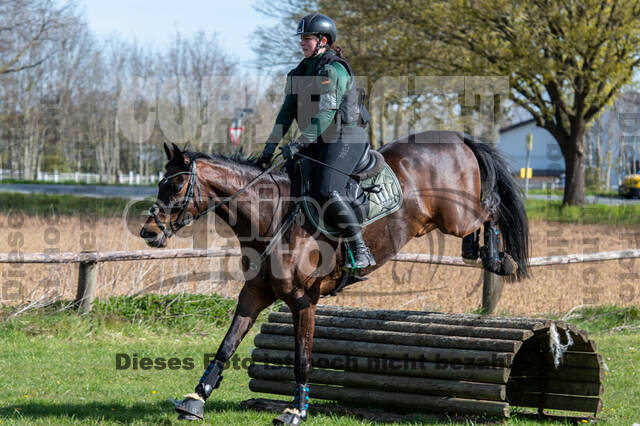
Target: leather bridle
[[180, 222], [192, 187]]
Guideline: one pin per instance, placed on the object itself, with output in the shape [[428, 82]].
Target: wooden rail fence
[[87, 261]]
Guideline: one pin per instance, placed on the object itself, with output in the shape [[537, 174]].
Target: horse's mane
[[237, 157]]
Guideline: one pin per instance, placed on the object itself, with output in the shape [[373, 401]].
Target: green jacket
[[329, 89]]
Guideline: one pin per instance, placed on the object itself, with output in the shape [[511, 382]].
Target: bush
[[184, 310]]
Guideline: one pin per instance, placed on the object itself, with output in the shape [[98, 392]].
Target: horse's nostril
[[147, 234]]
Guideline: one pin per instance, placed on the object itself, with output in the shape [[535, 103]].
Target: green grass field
[[57, 368], [588, 191], [553, 211], [45, 204]]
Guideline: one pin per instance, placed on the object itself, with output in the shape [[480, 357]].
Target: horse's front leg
[[253, 299], [303, 311]]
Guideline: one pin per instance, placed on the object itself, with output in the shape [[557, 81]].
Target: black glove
[[267, 155], [265, 160], [290, 150]]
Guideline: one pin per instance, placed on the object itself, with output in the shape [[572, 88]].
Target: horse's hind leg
[[493, 259], [471, 247], [303, 312], [252, 300]]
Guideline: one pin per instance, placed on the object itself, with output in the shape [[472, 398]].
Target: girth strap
[[286, 224]]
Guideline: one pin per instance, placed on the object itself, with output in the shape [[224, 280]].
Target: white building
[[546, 158], [612, 144]]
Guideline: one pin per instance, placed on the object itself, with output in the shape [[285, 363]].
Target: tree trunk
[[589, 150], [372, 114], [573, 152], [599, 159], [115, 148], [608, 172], [398, 122], [140, 159], [383, 124], [372, 126]]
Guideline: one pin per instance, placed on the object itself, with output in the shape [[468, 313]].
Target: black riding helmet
[[317, 24]]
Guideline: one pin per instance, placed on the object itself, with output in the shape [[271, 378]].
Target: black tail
[[501, 197]]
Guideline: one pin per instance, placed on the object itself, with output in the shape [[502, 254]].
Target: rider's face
[[308, 44]]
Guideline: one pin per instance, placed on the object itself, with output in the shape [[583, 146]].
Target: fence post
[[491, 292], [86, 286]]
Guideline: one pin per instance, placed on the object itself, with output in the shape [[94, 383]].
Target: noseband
[[180, 222]]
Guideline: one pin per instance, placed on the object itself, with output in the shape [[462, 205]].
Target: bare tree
[[30, 32], [195, 74], [61, 89]]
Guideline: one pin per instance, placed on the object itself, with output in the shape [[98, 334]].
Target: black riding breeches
[[343, 153]]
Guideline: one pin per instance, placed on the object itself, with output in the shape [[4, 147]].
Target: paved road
[[98, 191]]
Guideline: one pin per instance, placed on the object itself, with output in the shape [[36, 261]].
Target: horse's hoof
[[289, 417], [190, 409], [183, 416], [508, 265], [504, 265]]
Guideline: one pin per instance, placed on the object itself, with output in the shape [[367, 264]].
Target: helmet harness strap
[[319, 46]]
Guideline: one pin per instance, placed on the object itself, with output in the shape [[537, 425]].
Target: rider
[[321, 95]]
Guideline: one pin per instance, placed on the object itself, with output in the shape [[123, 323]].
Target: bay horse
[[450, 182]]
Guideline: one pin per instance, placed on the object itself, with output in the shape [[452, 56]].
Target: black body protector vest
[[311, 96]]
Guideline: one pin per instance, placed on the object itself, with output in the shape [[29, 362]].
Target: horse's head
[[178, 201]]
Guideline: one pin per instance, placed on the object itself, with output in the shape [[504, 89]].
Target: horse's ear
[[169, 152], [178, 158]]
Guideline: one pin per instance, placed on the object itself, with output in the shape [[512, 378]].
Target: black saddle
[[371, 163]]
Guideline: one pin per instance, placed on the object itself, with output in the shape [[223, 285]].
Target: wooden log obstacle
[[434, 362]]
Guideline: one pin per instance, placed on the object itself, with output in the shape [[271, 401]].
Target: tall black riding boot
[[340, 213]]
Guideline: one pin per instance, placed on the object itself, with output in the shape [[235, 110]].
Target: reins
[[194, 184], [375, 188], [353, 176]]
